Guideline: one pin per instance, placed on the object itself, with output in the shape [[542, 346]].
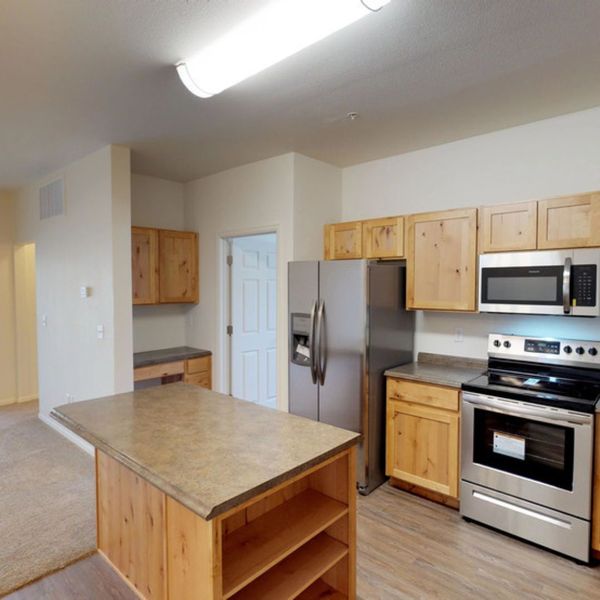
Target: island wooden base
[[297, 540]]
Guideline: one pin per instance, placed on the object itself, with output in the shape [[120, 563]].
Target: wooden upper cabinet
[[144, 264], [178, 266], [569, 222], [383, 238], [508, 227], [442, 260], [343, 241]]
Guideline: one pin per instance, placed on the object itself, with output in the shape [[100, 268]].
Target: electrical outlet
[[459, 336]]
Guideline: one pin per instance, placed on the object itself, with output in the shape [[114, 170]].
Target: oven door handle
[[566, 288], [507, 408]]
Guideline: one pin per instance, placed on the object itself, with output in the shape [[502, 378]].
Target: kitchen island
[[202, 496]]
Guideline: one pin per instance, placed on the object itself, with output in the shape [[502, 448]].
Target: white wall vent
[[52, 199]]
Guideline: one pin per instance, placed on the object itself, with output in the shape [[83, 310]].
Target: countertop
[[440, 369], [167, 355], [208, 451]]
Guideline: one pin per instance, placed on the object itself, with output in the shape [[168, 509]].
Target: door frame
[[224, 305]]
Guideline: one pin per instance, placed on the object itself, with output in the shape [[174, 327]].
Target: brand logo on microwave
[[533, 271]]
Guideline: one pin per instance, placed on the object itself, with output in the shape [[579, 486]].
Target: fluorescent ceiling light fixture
[[280, 29]]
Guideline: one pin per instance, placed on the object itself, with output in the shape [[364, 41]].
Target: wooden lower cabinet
[[198, 371], [297, 540], [422, 445], [195, 371]]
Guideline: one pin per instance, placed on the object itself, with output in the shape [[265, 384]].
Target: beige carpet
[[47, 499]]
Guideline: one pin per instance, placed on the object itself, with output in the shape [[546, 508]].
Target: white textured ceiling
[[78, 74]]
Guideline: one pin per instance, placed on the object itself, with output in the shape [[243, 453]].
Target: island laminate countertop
[[208, 451]]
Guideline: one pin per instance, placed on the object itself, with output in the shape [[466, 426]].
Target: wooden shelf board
[[253, 549], [319, 590], [296, 573]]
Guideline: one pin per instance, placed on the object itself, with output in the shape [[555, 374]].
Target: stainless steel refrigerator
[[347, 325]]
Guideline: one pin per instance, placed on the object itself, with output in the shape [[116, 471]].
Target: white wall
[[317, 201], [539, 160], [26, 323], [158, 203], [8, 363], [88, 246], [253, 198]]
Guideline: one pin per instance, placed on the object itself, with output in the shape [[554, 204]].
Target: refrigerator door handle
[[322, 343], [312, 344]]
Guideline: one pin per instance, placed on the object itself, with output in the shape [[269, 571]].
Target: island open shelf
[[297, 540]]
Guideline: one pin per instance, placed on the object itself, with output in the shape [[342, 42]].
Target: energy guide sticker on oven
[[509, 445]]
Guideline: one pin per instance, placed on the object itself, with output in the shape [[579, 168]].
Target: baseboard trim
[[7, 401], [72, 437], [29, 398]]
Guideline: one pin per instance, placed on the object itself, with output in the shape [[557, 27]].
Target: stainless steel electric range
[[527, 441]]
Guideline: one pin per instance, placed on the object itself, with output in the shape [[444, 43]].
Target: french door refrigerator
[[347, 325]]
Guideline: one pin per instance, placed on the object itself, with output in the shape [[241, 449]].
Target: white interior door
[[254, 319]]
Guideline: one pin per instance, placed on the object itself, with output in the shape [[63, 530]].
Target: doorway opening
[[251, 308], [25, 323]]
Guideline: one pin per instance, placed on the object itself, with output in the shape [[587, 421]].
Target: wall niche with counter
[[164, 266]]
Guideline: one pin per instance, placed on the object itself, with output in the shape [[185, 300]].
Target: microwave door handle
[[567, 286]]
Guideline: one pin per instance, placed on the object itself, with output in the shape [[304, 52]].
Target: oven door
[[529, 451]]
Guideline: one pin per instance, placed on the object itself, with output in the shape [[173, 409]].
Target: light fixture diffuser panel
[[279, 30]]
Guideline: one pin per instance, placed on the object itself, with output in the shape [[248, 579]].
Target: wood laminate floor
[[408, 548]]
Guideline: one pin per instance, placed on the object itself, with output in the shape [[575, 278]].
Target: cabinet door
[[178, 266], [422, 447], [144, 265], [569, 222], [442, 260], [383, 238], [343, 240], [508, 227]]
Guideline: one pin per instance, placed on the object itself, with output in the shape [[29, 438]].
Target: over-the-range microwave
[[548, 282]]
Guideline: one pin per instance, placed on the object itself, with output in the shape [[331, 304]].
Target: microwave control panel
[[584, 285]]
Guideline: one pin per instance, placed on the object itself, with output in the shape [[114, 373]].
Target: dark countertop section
[[440, 369], [167, 355], [208, 451]]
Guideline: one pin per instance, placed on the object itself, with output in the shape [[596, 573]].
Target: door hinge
[[229, 260], [229, 329]]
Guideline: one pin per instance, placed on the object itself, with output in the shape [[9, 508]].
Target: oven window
[[522, 285], [524, 447]]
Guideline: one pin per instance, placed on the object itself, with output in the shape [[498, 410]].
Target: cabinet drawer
[[201, 379], [198, 365], [155, 371], [427, 394]]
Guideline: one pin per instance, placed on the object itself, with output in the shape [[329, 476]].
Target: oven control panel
[[580, 352]]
